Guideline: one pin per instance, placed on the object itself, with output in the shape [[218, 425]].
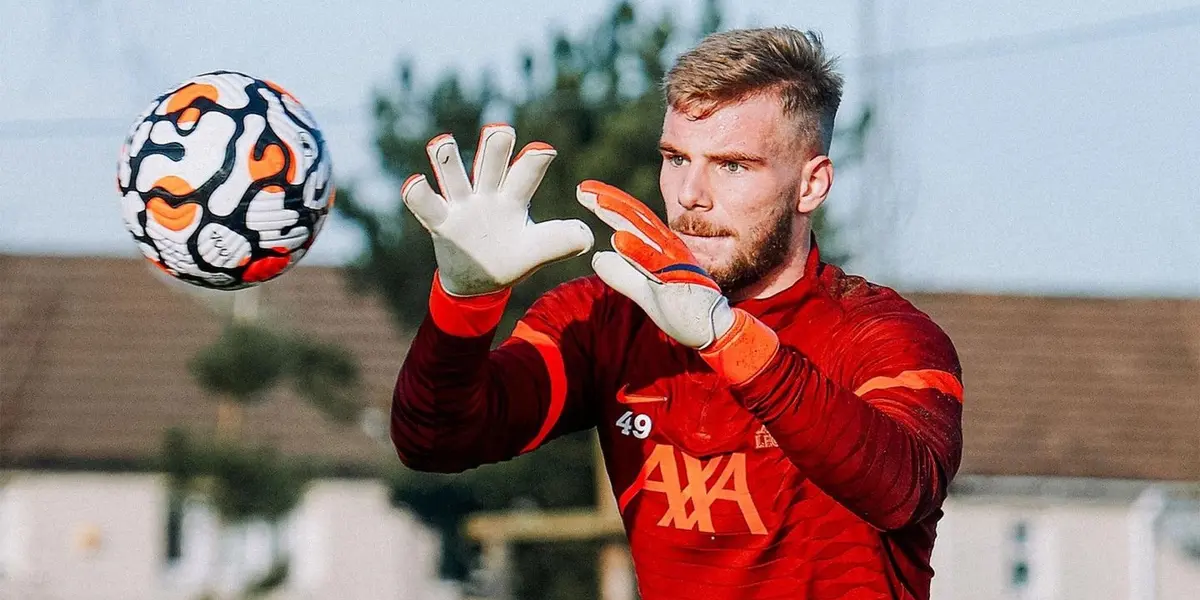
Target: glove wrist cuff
[[722, 318], [466, 316], [744, 350]]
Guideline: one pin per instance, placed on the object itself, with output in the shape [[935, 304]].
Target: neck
[[782, 277]]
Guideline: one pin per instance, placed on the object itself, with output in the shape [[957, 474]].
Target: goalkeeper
[[772, 427]]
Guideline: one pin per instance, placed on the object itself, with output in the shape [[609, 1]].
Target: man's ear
[[816, 178]]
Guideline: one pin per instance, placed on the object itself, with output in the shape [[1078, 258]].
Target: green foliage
[[242, 364], [273, 578], [327, 376], [248, 360], [541, 578], [177, 458], [244, 483], [557, 476], [253, 483]]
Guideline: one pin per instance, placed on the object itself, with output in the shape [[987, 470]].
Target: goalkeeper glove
[[483, 238], [653, 267]]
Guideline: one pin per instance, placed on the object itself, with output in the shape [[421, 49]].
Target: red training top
[[819, 476]]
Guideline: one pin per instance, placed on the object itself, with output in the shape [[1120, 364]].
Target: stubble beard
[[763, 250]]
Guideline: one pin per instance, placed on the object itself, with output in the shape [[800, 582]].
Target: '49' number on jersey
[[637, 425]]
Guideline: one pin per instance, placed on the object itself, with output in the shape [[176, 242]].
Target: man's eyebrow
[[667, 148], [736, 156], [731, 156]]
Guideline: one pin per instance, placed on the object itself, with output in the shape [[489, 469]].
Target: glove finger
[[635, 250], [590, 200], [625, 278], [496, 143], [528, 170], [428, 207], [617, 201], [663, 267], [448, 167], [556, 240]]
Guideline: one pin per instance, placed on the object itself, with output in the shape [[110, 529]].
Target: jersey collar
[[794, 293]]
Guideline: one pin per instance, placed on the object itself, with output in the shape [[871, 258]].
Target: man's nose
[[693, 194]]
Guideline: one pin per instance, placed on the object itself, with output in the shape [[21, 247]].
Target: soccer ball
[[225, 181]]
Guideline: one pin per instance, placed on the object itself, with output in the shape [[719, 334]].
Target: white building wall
[[103, 536], [94, 536], [1076, 549], [349, 543], [1178, 574]]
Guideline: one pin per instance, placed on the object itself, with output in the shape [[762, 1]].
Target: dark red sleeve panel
[[459, 404], [887, 449]]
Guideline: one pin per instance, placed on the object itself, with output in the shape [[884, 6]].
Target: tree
[[596, 99], [244, 482], [250, 359]]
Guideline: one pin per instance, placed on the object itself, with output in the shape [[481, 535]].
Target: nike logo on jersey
[[624, 397]]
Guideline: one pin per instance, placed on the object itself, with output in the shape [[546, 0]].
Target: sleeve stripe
[[918, 379], [552, 357], [466, 317]]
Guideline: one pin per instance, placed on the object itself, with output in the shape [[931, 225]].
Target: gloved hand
[[654, 268], [483, 237]]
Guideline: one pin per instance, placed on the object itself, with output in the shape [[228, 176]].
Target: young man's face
[[731, 182]]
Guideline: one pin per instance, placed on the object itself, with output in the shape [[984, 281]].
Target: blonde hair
[[735, 65]]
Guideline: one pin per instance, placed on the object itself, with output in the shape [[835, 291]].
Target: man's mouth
[[705, 243], [689, 226], [702, 233]]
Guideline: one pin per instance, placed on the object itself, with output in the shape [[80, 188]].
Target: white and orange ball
[[225, 181]]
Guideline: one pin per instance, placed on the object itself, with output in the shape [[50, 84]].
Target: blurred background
[[1023, 171]]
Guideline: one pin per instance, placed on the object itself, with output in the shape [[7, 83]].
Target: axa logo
[[692, 491]]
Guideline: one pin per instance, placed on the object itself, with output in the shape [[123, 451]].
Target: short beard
[[766, 247]]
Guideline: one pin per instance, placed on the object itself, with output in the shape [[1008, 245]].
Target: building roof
[[94, 354], [1076, 387], [95, 351]]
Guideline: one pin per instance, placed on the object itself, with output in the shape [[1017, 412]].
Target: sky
[[1022, 147]]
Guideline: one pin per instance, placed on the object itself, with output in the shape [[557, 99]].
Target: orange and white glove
[[653, 267], [483, 238]]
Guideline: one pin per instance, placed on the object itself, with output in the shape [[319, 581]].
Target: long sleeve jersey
[[821, 476]]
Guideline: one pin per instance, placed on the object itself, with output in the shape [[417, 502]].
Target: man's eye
[[677, 160], [733, 167]]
